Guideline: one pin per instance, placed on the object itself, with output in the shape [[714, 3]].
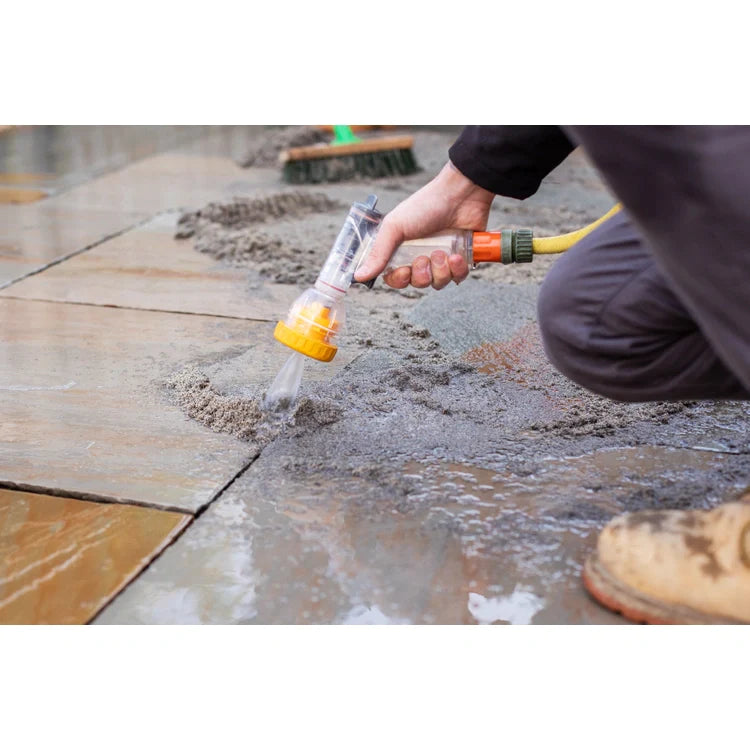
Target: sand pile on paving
[[234, 232], [504, 396], [265, 151], [242, 212], [597, 416], [243, 416]]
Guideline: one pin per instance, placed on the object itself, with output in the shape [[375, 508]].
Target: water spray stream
[[282, 393]]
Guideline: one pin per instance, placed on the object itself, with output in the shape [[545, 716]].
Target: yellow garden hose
[[559, 244], [504, 246]]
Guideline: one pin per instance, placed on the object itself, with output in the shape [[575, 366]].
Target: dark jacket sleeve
[[509, 160]]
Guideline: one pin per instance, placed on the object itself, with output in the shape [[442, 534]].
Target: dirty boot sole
[[614, 595]]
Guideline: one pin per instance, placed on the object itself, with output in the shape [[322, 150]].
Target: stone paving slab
[[476, 320], [470, 545], [62, 560], [33, 236], [167, 182], [340, 525], [58, 157], [20, 194], [84, 407], [465, 316], [147, 268], [52, 160]]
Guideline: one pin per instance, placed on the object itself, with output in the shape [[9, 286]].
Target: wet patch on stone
[[62, 560], [573, 411]]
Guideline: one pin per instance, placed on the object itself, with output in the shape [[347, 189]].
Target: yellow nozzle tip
[[304, 344]]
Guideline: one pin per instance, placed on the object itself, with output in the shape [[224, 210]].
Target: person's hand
[[450, 201]]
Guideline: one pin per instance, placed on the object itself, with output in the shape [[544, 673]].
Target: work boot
[[675, 566]]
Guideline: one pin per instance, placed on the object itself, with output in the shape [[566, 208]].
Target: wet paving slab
[[88, 408], [493, 328], [36, 235], [62, 560], [444, 493], [48, 159], [147, 268], [167, 182], [441, 543], [20, 194], [85, 408]]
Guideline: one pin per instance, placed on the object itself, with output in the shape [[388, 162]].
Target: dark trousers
[[655, 303]]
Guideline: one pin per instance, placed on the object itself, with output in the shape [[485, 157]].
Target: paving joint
[[57, 261], [140, 309], [35, 489], [157, 553], [192, 518]]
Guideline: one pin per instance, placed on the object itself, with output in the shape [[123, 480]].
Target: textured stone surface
[[437, 543], [34, 235], [164, 182], [85, 408], [147, 268], [61, 559]]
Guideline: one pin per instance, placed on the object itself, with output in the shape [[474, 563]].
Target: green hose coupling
[[523, 246], [516, 246]]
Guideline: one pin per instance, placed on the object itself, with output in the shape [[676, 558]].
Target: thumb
[[389, 237]]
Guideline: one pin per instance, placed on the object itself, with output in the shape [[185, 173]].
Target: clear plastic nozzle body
[[450, 241], [351, 246], [317, 315]]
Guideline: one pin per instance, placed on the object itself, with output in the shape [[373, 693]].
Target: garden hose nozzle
[[309, 330], [318, 313]]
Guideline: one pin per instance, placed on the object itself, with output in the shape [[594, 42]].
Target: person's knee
[[561, 323], [569, 328], [608, 321]]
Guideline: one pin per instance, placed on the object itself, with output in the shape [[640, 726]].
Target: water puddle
[[363, 615], [454, 542], [544, 486], [527, 530], [518, 608]]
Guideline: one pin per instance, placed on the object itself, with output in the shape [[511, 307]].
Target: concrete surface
[[438, 471]]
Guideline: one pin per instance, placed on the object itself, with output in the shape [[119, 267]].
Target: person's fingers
[[459, 268], [389, 237], [441, 272], [421, 275], [398, 278]]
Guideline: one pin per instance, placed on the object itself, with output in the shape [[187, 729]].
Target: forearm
[[509, 160]]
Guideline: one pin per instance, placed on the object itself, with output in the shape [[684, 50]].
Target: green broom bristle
[[339, 168]]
